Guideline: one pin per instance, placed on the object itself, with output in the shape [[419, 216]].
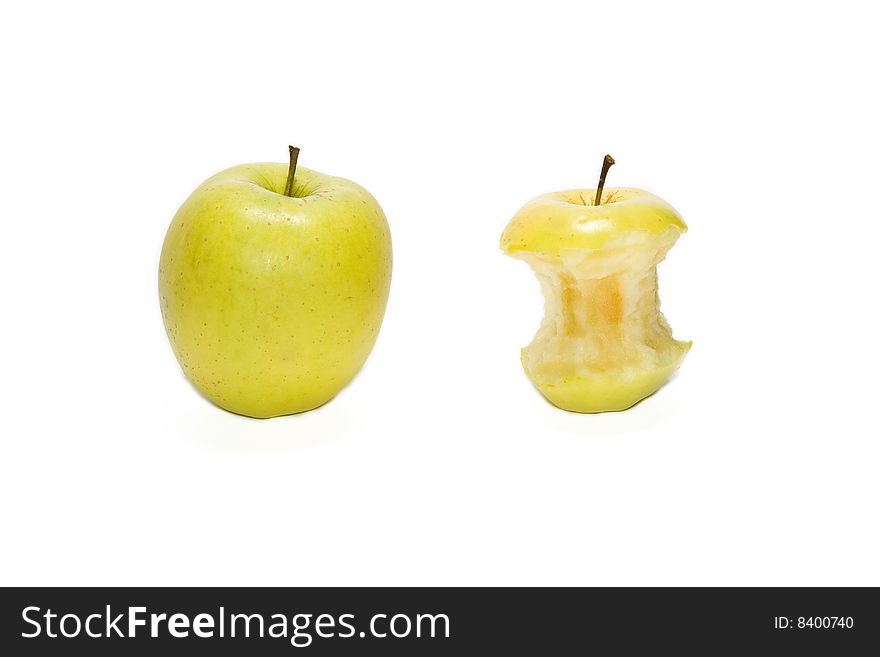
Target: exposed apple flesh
[[603, 344]]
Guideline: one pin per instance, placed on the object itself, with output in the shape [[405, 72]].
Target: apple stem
[[294, 154], [606, 164]]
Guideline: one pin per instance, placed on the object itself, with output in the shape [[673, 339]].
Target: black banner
[[446, 621]]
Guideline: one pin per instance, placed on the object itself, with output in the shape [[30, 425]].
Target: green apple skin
[[272, 303]]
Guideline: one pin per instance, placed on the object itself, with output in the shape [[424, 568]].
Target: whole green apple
[[273, 283]]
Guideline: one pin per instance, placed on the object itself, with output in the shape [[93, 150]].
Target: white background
[[440, 463]]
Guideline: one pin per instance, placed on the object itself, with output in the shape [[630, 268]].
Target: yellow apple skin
[[604, 345], [273, 303]]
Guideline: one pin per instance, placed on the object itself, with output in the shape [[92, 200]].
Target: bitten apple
[[273, 282], [604, 344]]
